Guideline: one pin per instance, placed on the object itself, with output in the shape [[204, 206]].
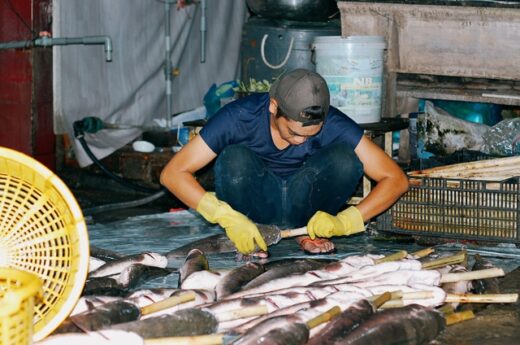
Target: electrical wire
[[126, 204], [116, 178]]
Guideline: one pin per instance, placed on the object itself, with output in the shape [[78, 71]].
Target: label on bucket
[[354, 75]]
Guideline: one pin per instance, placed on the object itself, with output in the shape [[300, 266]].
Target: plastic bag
[[215, 94], [503, 139]]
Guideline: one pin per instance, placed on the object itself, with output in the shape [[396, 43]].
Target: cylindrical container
[[353, 69], [272, 47], [301, 10], [18, 290]]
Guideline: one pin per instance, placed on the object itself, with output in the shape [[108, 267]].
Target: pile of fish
[[368, 299]]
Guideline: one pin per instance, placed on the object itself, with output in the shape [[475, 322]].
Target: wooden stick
[[168, 303], [241, 313], [454, 318], [472, 165], [392, 257], [324, 317], [481, 274], [422, 253], [395, 303], [398, 303], [381, 299], [293, 232], [489, 298], [447, 260], [446, 309], [209, 339], [465, 172]]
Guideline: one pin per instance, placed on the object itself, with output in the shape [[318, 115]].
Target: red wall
[[26, 113]]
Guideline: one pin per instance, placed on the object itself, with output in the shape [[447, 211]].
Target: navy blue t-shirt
[[246, 122]]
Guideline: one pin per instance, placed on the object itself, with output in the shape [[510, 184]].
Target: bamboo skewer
[[324, 317], [378, 300], [481, 274], [475, 165], [489, 298], [456, 173], [448, 260], [398, 298], [446, 309], [454, 318], [241, 313], [168, 303], [422, 253], [392, 257]]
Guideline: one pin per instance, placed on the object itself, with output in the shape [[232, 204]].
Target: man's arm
[[391, 181], [178, 177], [391, 184]]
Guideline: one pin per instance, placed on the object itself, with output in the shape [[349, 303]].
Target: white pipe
[[45, 41]]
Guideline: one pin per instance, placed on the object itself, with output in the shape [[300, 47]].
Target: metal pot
[[301, 10]]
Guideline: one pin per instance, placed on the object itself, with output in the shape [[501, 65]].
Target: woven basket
[[42, 231]]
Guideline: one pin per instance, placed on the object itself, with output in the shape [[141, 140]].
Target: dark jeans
[[324, 182]]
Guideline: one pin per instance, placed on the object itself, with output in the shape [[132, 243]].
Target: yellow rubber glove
[[347, 222], [240, 229]]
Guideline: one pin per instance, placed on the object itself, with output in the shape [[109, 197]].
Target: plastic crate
[[457, 209], [42, 231], [18, 291]]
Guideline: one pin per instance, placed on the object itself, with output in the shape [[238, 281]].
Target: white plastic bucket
[[353, 69]]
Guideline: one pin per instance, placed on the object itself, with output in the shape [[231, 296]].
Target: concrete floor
[[497, 324]]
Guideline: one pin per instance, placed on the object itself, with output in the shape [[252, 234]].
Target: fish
[[86, 303], [135, 274], [204, 280], [481, 286], [117, 266], [103, 286], [143, 298], [262, 330], [95, 263], [410, 325], [119, 285], [275, 271], [347, 321], [236, 278], [195, 261], [286, 334], [101, 317], [186, 322], [214, 244], [457, 288], [97, 338], [104, 254], [220, 243], [280, 329]]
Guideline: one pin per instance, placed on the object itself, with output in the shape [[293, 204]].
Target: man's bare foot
[[316, 246]]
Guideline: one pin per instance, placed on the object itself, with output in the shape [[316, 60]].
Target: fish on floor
[[115, 267]]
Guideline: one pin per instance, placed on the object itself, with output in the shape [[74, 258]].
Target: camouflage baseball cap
[[298, 90]]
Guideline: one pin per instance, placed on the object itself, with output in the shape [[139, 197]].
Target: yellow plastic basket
[[18, 292], [42, 231]]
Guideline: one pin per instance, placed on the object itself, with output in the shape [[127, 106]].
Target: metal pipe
[[46, 41], [88, 40], [168, 63], [203, 31], [16, 44]]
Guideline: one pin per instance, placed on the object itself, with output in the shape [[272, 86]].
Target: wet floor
[[152, 228], [162, 232]]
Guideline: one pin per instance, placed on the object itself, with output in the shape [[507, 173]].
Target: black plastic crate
[[457, 209]]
